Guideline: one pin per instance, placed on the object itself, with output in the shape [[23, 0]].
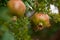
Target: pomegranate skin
[[17, 7], [40, 20]]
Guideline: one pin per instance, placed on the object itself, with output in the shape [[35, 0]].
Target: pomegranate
[[17, 7], [40, 20]]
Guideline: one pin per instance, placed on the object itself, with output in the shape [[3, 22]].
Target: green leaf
[[8, 36], [4, 14]]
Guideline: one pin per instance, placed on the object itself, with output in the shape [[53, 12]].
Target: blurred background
[[29, 19]]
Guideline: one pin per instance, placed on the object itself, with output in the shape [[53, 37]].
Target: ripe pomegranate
[[17, 7], [40, 20]]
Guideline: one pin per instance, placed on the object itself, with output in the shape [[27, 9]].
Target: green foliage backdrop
[[21, 29]]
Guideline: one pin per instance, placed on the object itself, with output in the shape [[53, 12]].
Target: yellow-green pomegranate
[[40, 20]]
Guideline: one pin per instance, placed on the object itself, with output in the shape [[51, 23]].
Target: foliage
[[21, 29]]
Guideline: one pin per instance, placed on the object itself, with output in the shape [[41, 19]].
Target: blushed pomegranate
[[17, 7]]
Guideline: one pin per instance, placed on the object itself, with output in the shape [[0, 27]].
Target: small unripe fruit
[[17, 7], [14, 18]]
